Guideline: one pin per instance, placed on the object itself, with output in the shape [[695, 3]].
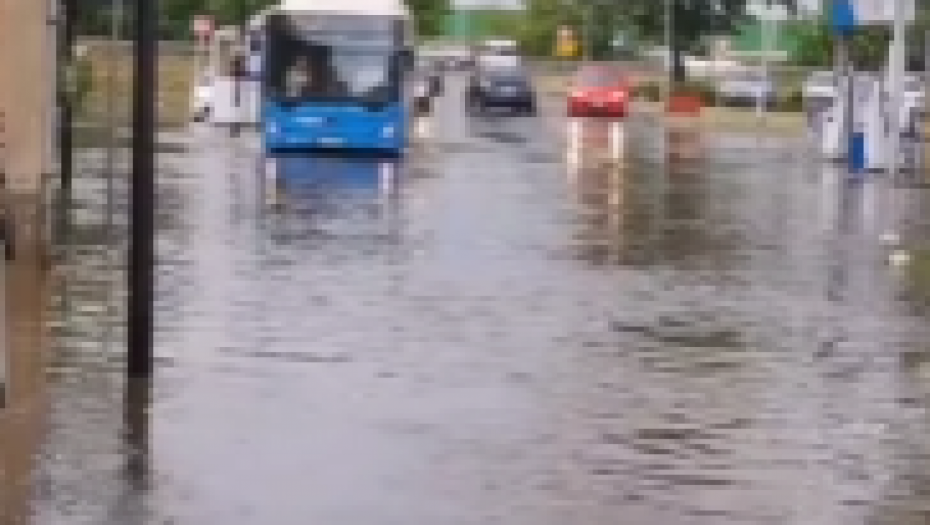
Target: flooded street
[[497, 331]]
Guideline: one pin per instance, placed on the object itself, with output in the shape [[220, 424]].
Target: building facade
[[27, 88]]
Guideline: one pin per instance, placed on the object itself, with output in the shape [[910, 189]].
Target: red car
[[599, 91]]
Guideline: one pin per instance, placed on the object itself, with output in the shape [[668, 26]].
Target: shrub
[[792, 101], [650, 90], [703, 89]]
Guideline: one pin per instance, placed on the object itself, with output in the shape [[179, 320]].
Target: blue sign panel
[[843, 17]]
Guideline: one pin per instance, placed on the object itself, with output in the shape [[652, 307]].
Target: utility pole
[[67, 19], [768, 23], [587, 15], [669, 36], [844, 25], [239, 60], [897, 67], [142, 208]]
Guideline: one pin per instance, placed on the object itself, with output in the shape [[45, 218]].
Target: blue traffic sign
[[843, 17]]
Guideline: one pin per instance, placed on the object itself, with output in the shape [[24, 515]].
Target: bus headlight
[[272, 129], [388, 132]]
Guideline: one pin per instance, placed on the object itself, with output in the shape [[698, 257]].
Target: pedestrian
[[240, 67]]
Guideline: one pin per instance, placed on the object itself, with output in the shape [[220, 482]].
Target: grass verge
[[110, 97]]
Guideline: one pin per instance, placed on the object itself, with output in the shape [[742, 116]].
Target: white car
[[914, 93], [747, 88], [820, 87], [492, 61], [202, 100]]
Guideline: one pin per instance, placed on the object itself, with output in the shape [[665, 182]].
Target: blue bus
[[336, 77]]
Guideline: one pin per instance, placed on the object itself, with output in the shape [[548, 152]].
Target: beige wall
[[26, 61], [26, 57], [22, 420]]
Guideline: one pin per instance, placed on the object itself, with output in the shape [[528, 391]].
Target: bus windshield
[[333, 58]]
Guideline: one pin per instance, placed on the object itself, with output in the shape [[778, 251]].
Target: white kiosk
[[881, 113], [223, 99]]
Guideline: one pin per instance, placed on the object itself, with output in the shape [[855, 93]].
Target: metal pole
[[766, 49], [239, 59], [849, 109], [669, 22], [142, 230], [923, 110], [896, 63], [116, 26], [586, 32], [66, 115]]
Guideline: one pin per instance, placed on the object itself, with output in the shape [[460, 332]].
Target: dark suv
[[508, 87]]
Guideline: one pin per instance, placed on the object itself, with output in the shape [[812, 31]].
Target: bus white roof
[[347, 7]]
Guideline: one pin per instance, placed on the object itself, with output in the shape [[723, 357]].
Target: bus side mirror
[[408, 59]]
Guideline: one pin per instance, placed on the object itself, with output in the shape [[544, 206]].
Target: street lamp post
[[897, 60], [844, 24], [67, 21], [669, 22], [239, 65], [142, 229]]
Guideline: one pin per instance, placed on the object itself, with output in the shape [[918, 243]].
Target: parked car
[[459, 58], [599, 91], [914, 94], [745, 89], [498, 61], [819, 88], [501, 87]]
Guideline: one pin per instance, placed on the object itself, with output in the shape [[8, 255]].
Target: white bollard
[[870, 208], [575, 129], [899, 258], [423, 128], [830, 197], [386, 178], [270, 180], [573, 167], [890, 238], [617, 140], [574, 136]]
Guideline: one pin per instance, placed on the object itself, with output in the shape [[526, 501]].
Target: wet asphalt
[[506, 328]]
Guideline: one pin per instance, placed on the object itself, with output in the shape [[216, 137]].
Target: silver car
[[914, 93], [745, 89], [820, 86]]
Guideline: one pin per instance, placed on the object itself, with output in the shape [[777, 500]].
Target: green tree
[[430, 16], [815, 45], [543, 19], [691, 21]]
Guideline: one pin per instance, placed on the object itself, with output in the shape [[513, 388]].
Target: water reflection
[[330, 196], [634, 212], [701, 374]]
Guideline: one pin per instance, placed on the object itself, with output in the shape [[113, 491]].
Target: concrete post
[[26, 90], [26, 95]]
